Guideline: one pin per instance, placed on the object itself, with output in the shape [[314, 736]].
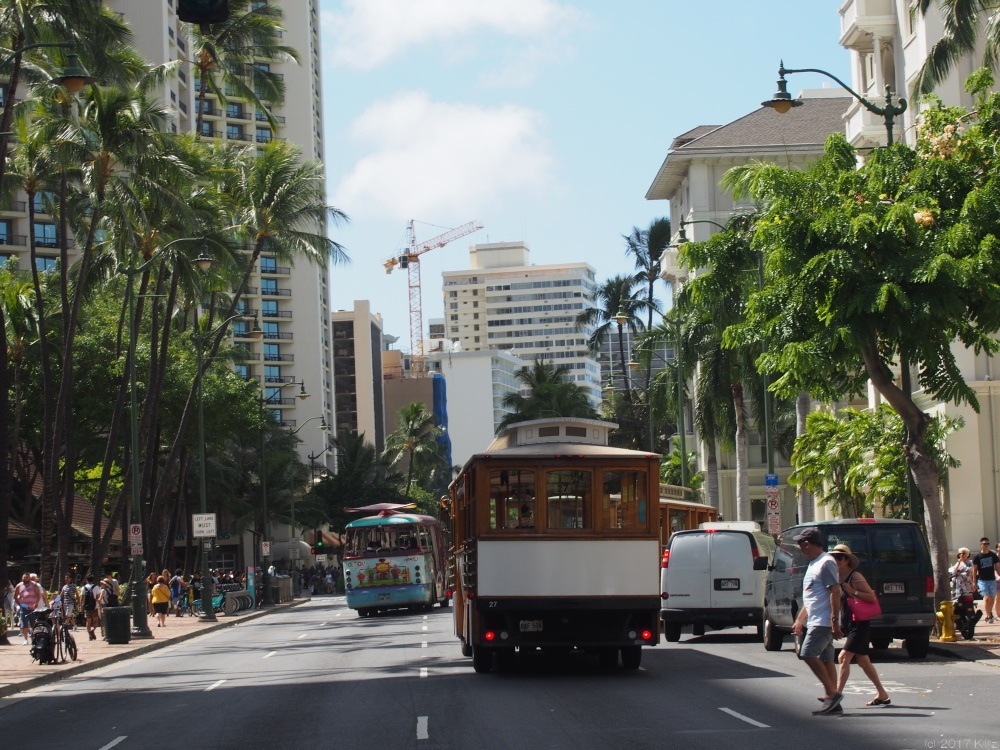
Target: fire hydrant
[[946, 619]]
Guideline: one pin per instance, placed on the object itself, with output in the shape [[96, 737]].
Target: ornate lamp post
[[140, 627], [782, 101], [291, 531]]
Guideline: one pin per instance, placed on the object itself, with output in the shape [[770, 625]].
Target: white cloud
[[366, 33], [431, 159]]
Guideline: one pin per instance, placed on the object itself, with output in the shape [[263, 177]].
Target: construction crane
[[410, 260]]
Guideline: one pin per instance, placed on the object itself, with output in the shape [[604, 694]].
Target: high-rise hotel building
[[503, 302], [291, 301]]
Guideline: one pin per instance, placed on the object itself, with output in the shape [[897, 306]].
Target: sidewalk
[[19, 672], [984, 648]]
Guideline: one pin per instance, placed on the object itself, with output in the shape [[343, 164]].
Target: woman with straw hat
[[853, 584]]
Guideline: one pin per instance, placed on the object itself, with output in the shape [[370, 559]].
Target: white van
[[714, 576]]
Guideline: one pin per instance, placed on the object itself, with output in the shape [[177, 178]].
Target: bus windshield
[[382, 540]]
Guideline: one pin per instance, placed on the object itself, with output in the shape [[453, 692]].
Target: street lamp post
[[782, 101], [265, 577], [207, 607], [291, 531], [140, 626]]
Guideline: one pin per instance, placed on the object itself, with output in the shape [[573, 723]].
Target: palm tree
[[548, 393], [363, 477], [235, 56], [646, 246], [618, 306], [964, 29], [415, 440], [711, 302]]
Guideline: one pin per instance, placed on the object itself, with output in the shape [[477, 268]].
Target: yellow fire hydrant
[[946, 619]]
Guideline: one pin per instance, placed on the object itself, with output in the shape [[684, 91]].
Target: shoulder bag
[[861, 610]]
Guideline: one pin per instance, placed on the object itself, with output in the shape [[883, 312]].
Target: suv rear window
[[894, 545]]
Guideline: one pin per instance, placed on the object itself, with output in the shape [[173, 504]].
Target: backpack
[[111, 598], [89, 597]]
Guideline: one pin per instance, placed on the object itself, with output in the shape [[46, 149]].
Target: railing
[[276, 314], [284, 335], [279, 378], [276, 270], [16, 206], [13, 240], [279, 357], [276, 292]]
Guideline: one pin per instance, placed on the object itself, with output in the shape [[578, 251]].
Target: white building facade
[[503, 302]]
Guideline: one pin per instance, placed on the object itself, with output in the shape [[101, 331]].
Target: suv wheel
[[672, 631], [773, 638]]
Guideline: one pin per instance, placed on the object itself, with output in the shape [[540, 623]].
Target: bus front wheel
[[482, 659], [631, 657]]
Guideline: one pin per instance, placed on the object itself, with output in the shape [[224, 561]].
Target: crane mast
[[410, 260]]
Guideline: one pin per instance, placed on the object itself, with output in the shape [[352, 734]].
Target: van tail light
[[754, 554], [666, 559], [928, 585]]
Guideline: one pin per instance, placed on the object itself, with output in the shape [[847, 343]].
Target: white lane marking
[[214, 685], [423, 644], [114, 742], [270, 654], [301, 636], [424, 627], [337, 615], [322, 624], [747, 719], [423, 671], [422, 728]]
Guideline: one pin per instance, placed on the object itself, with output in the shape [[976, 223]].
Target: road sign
[[294, 553], [770, 480], [321, 558], [135, 533], [773, 504], [136, 548], [265, 549], [202, 525], [774, 524]]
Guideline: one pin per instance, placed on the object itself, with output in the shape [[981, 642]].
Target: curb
[[153, 645], [968, 652]]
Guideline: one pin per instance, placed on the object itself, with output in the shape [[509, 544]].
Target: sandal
[[879, 702]]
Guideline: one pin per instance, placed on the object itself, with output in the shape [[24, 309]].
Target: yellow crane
[[410, 260]]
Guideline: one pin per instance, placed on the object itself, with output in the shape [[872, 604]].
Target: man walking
[[819, 619], [984, 567], [28, 595]]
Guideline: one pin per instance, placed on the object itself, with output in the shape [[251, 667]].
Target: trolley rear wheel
[[482, 659]]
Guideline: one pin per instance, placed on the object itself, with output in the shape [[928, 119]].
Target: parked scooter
[[966, 615], [42, 647]]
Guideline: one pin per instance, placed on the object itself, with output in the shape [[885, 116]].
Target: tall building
[[503, 302], [291, 301], [359, 397]]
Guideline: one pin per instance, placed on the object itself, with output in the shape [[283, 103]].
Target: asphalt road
[[317, 676]]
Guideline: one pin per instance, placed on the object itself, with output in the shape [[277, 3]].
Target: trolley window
[[568, 495], [624, 504], [512, 499]]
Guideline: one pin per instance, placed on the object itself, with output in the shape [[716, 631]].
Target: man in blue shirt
[[819, 618]]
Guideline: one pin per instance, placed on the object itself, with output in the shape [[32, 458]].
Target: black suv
[[895, 561]]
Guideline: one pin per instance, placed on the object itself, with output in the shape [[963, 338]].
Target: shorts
[[987, 588], [817, 644], [160, 607], [22, 616], [93, 618]]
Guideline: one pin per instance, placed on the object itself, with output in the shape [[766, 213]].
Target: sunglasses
[[838, 556]]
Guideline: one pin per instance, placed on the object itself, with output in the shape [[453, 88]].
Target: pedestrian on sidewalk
[[818, 622], [68, 594], [159, 599], [984, 567], [858, 644], [28, 596], [91, 606]]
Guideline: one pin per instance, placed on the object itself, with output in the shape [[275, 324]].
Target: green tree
[[620, 307], [234, 57], [548, 393], [965, 27], [866, 268], [363, 477], [415, 441]]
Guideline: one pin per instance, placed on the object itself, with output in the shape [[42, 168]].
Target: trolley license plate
[[894, 587], [531, 626], [729, 584]]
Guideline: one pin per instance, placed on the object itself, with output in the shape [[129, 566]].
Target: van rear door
[[687, 576], [733, 580]]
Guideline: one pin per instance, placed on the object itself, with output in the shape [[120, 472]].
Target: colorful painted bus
[[556, 543], [394, 560]]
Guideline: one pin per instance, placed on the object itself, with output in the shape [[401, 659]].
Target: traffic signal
[[203, 12], [314, 550], [319, 542]]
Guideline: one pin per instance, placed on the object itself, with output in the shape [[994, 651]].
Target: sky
[[544, 120]]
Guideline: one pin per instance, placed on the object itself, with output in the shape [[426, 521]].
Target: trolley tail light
[[489, 635], [647, 635], [665, 561]]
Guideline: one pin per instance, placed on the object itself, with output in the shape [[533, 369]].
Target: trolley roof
[[396, 519]]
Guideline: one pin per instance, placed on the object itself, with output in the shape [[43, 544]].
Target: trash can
[[118, 624]]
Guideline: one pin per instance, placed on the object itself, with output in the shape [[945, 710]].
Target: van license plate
[[729, 584], [531, 626], [383, 597], [896, 587]]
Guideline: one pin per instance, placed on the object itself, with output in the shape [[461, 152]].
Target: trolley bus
[[556, 540], [394, 560]]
